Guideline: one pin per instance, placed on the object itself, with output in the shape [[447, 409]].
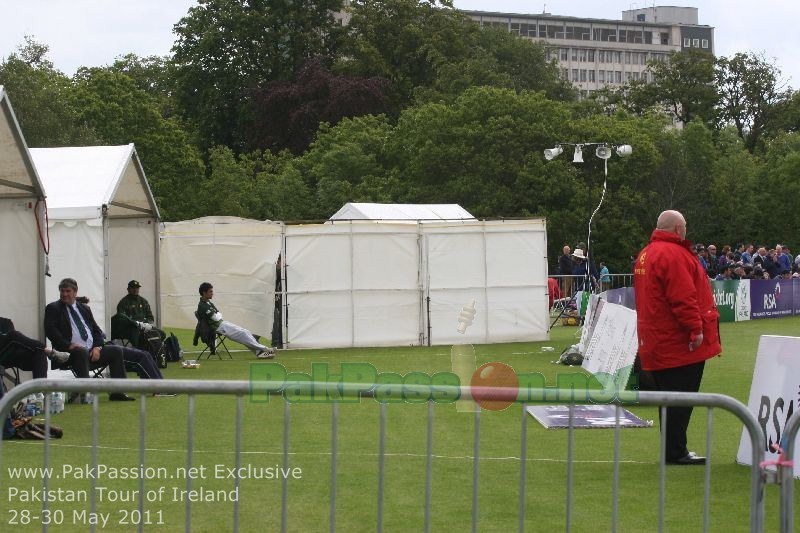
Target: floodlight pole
[[603, 151]]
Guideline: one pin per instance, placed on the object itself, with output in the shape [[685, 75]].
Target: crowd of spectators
[[748, 261]]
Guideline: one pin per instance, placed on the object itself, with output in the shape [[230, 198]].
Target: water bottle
[[56, 402], [39, 403]]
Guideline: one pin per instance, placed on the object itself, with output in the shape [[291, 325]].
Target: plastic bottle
[[39, 403]]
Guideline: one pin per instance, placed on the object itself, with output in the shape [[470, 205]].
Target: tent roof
[[363, 211], [18, 177], [79, 181]]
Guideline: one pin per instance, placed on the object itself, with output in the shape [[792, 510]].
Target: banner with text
[[773, 394]]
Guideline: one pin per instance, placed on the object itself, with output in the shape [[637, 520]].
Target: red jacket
[[674, 303]]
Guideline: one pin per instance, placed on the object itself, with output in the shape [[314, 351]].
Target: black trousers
[[25, 353], [680, 379], [80, 362], [139, 361]]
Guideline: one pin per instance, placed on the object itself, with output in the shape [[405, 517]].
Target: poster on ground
[[773, 394], [585, 417]]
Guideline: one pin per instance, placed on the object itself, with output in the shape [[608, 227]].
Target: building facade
[[594, 53]]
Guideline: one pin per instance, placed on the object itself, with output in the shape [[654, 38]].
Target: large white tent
[[237, 256], [367, 283], [415, 212], [22, 234], [103, 224]]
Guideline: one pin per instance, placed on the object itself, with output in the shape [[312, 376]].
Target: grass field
[[310, 444]]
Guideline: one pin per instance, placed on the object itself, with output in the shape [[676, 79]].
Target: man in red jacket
[[677, 323]]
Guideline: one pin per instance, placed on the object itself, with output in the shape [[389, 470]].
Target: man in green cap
[[134, 321]]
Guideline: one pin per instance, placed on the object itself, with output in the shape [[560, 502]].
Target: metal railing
[[784, 475], [258, 391]]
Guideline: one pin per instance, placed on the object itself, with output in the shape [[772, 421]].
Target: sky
[[95, 32]]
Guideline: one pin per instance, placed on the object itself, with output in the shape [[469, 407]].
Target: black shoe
[[690, 458], [120, 397]]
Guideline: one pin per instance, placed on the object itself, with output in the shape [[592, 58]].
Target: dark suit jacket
[[58, 329]]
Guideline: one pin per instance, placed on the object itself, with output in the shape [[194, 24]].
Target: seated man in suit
[[17, 350], [208, 312], [71, 327]]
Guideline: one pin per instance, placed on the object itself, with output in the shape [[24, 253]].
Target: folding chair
[[212, 339], [155, 345]]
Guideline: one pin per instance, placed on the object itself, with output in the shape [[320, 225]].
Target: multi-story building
[[593, 53]]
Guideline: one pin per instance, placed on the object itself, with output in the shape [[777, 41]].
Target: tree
[[42, 98], [750, 95], [684, 83], [288, 114], [226, 48], [433, 52], [120, 112]]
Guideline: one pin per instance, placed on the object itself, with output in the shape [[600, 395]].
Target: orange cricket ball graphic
[[494, 374]]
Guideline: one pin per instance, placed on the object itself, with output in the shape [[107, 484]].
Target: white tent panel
[[317, 263], [21, 249], [455, 260], [445, 306], [20, 277], [322, 319], [369, 211], [131, 255], [370, 272], [237, 256], [386, 318], [76, 251], [502, 265]]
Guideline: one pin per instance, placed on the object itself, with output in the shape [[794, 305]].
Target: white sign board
[[611, 348], [773, 394]]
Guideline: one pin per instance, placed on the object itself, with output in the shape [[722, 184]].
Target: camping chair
[[154, 344], [211, 338]]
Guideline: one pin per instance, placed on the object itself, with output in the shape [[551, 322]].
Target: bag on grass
[[571, 356], [172, 348]]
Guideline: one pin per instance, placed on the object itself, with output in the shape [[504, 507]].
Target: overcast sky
[[94, 32]]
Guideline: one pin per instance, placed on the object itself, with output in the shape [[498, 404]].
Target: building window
[[563, 53], [565, 74], [618, 57], [609, 76], [601, 56], [705, 43], [664, 38], [628, 75], [696, 43], [617, 76], [574, 74], [590, 55], [687, 42], [642, 58], [628, 58], [623, 36], [635, 75], [582, 54], [583, 74], [591, 75], [574, 54], [601, 76]]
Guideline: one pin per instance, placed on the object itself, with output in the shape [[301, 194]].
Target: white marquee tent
[[237, 256], [21, 241], [414, 212], [363, 283], [103, 224]]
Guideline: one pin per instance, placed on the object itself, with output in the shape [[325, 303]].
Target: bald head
[[673, 222]]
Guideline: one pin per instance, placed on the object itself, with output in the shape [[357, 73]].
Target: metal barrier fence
[[784, 475], [526, 396], [617, 281]]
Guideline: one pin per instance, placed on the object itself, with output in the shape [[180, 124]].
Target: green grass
[[310, 442]]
